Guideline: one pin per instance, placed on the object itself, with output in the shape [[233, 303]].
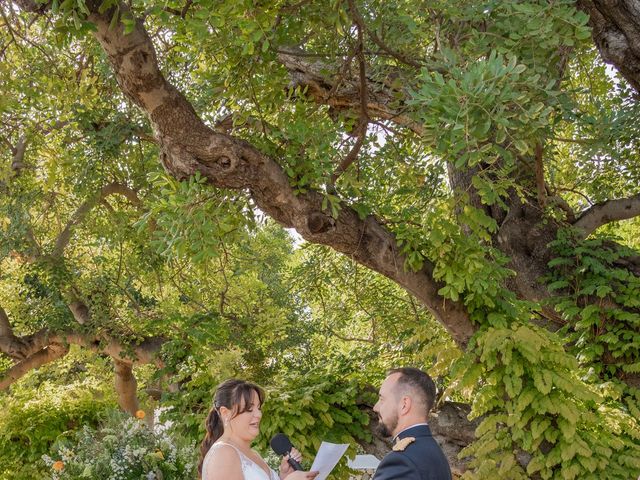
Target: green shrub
[[28, 427]]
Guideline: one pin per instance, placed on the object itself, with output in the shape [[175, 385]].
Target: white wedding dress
[[250, 469]]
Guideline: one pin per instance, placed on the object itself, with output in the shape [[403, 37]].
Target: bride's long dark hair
[[232, 394]]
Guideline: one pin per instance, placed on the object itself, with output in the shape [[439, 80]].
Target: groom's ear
[[405, 404]]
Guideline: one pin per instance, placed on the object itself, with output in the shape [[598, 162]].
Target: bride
[[232, 424]]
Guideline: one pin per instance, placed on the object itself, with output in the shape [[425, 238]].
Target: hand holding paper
[[327, 458]]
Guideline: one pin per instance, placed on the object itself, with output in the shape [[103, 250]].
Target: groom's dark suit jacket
[[420, 460]]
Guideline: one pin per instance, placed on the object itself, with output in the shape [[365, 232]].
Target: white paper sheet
[[328, 456]]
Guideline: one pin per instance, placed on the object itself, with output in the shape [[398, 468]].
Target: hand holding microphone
[[290, 467]]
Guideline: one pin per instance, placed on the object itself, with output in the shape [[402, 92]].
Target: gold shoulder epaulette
[[403, 443]]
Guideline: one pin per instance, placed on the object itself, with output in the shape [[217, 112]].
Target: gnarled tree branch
[[189, 146], [41, 357], [44, 346], [382, 102], [607, 212], [143, 352]]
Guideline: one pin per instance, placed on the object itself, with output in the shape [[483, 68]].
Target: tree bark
[[47, 355], [126, 387], [606, 212], [616, 33]]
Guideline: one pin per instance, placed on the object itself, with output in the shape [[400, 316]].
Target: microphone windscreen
[[281, 444]]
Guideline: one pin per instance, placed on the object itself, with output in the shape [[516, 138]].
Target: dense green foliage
[[481, 94], [46, 407]]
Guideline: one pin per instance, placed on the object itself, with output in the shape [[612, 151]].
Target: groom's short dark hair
[[419, 382]]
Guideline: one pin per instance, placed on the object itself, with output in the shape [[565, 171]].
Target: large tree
[[478, 154]]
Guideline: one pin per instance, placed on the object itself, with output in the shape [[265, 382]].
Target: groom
[[405, 399]]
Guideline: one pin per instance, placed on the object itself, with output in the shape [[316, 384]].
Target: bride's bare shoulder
[[222, 463]]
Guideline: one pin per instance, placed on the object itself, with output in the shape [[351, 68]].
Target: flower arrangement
[[124, 448]]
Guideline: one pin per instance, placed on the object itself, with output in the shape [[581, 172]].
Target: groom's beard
[[385, 428]]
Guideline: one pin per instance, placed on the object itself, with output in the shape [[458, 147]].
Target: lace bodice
[[250, 469]]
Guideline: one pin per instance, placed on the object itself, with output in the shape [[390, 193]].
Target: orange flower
[[58, 466], [140, 414]]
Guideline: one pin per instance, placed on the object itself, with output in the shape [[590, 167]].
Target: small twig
[[5, 46], [583, 141], [361, 129], [11, 148], [351, 156], [348, 339], [540, 176], [300, 53], [387, 128], [185, 9], [288, 9], [378, 41], [223, 266], [11, 32], [293, 8], [563, 189]]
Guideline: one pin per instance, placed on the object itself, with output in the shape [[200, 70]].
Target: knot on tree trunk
[[226, 163], [319, 223], [614, 46]]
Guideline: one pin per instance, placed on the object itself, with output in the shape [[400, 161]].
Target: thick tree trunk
[[126, 387]]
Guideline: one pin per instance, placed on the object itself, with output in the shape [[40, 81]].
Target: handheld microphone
[[281, 444]]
